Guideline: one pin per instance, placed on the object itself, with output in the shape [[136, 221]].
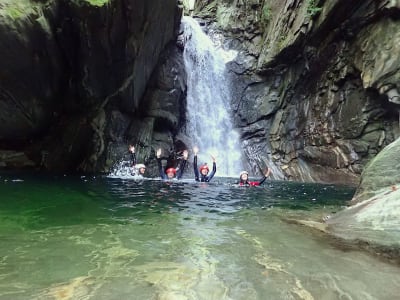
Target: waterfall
[[208, 95]]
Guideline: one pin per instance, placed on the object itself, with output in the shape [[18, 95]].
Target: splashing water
[[124, 170], [208, 95]]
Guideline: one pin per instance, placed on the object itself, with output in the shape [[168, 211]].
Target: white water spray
[[208, 95]]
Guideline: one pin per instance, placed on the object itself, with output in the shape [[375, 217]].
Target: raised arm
[[160, 167], [196, 171], [266, 174], [133, 155], [182, 164], [214, 169]]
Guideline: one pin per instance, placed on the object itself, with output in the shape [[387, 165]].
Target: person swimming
[[171, 173], [244, 178], [137, 170], [204, 170]]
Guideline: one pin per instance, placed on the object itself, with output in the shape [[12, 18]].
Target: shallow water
[[109, 238]]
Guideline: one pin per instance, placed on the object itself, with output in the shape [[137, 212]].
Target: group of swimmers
[[201, 174]]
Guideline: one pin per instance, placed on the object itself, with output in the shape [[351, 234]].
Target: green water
[[101, 238]]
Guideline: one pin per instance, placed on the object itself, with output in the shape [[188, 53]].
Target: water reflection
[[109, 238], [222, 196]]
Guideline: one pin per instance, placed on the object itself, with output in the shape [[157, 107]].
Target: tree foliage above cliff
[[19, 9], [97, 2]]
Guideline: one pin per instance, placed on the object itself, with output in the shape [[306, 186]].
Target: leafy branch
[[312, 8]]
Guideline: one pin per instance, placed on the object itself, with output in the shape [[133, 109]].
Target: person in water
[[244, 178], [204, 170], [171, 173], [137, 169]]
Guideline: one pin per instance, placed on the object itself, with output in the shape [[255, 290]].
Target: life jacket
[[249, 183]]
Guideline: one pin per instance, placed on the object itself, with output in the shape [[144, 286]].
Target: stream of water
[[208, 96], [99, 238]]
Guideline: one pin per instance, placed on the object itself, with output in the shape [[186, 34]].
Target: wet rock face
[[71, 70], [31, 72], [316, 87], [162, 112]]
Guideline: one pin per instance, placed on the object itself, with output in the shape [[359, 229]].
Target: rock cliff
[[73, 76], [316, 91]]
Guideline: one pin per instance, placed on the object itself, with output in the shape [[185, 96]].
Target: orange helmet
[[204, 167], [171, 170]]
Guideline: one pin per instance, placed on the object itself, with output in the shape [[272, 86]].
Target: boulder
[[374, 216]]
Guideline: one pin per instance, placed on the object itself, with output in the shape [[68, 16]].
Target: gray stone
[[375, 220], [382, 172]]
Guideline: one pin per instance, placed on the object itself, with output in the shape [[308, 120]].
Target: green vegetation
[[188, 6], [14, 12], [312, 8], [97, 2], [281, 42], [266, 14], [18, 9]]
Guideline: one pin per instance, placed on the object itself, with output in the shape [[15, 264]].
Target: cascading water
[[208, 93]]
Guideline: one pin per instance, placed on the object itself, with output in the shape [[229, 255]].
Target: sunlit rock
[[375, 215]]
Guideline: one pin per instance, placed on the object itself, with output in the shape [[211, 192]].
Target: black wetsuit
[[133, 159], [179, 173], [133, 163], [200, 177]]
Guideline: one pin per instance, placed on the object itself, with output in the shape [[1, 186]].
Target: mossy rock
[[20, 9], [97, 2]]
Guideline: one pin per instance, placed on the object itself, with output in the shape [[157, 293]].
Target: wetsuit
[[252, 183], [179, 173], [133, 163], [200, 177]]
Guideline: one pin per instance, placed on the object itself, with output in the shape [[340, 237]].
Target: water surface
[[107, 238]]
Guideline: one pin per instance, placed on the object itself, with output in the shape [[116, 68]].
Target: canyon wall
[[316, 93], [74, 78]]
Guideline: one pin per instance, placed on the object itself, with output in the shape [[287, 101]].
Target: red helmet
[[171, 170], [204, 167]]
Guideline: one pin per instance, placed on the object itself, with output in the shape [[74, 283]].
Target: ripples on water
[[111, 238]]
